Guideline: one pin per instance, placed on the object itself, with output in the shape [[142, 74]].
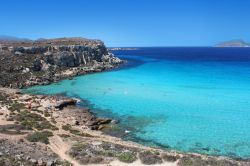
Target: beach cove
[[197, 102]]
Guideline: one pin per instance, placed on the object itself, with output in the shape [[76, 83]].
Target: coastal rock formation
[[26, 63], [64, 103]]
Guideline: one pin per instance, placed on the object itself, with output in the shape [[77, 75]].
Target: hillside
[[5, 38], [25, 62]]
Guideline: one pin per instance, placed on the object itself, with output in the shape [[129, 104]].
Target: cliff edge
[[25, 63]]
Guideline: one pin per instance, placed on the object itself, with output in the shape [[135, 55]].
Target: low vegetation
[[4, 99], [16, 107], [33, 120], [12, 129], [8, 160], [150, 157], [88, 153], [79, 146], [40, 137], [64, 163], [69, 128], [66, 127], [46, 114], [127, 157], [198, 161], [170, 158]]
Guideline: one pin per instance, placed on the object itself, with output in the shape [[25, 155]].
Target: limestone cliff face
[[67, 52], [37, 59]]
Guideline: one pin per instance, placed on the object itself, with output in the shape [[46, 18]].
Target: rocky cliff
[[25, 63]]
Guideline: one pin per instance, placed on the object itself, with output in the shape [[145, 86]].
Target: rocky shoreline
[[52, 130]]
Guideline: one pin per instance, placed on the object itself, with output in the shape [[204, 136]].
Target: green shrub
[[76, 132], [66, 127], [17, 107], [33, 120], [40, 137], [79, 147], [28, 116], [46, 114], [65, 163], [53, 120], [150, 157], [127, 157], [2, 97], [45, 125], [169, 157], [7, 160]]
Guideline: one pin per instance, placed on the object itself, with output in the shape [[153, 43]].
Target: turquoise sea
[[186, 99]]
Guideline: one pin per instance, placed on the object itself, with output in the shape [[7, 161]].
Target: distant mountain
[[233, 43], [41, 39], [7, 38]]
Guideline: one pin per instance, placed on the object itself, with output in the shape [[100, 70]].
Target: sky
[[129, 22]]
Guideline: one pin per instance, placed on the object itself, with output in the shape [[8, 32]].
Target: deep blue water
[[187, 99]]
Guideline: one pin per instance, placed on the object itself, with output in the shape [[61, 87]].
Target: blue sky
[[129, 22]]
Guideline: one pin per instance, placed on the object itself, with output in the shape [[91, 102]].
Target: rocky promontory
[[26, 63]]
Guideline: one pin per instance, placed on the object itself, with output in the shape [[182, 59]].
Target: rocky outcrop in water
[[26, 63]]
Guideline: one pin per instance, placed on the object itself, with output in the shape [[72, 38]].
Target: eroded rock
[[64, 103]]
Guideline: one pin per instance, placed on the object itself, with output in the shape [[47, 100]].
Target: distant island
[[233, 43]]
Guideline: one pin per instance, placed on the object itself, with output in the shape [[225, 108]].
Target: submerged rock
[[98, 123]]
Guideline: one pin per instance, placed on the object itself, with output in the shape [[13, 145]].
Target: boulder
[[18, 53], [37, 65], [98, 123], [34, 161], [64, 103], [50, 163], [40, 162]]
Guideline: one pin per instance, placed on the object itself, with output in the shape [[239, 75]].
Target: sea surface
[[186, 99]]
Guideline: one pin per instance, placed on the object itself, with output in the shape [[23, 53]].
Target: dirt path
[[60, 148]]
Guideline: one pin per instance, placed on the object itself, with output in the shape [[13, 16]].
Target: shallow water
[[187, 99]]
